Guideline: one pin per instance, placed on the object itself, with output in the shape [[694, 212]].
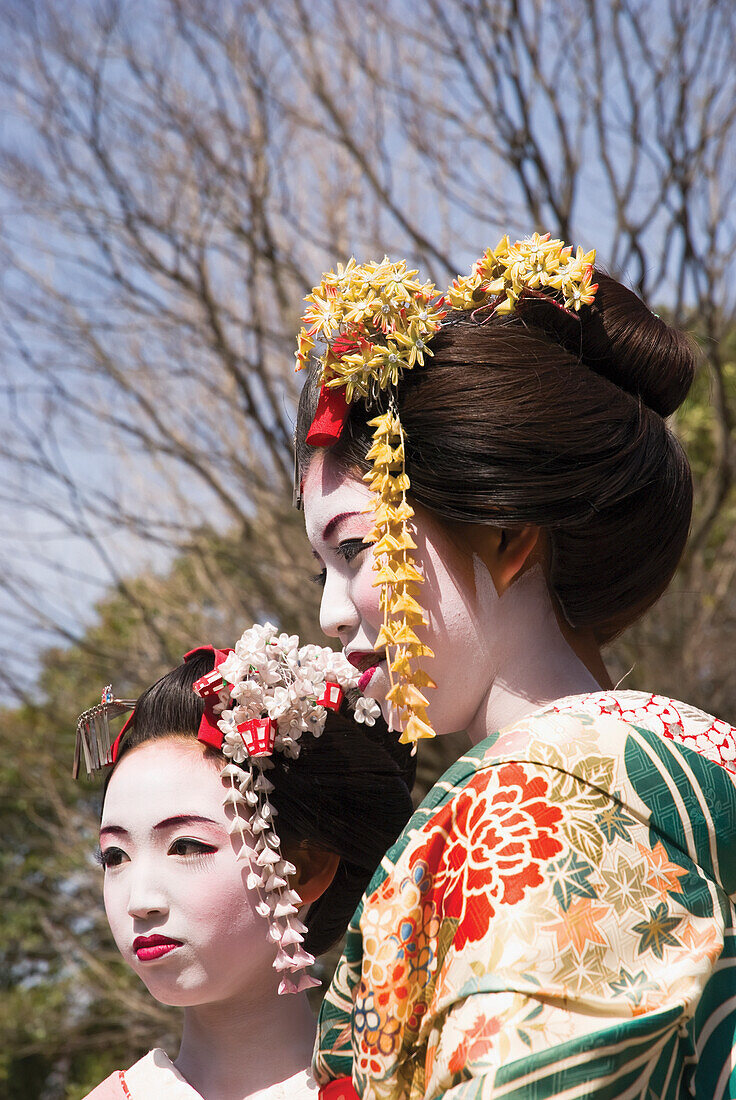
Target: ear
[[507, 552], [315, 870]]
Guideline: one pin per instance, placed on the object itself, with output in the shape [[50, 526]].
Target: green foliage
[[70, 1010], [698, 427]]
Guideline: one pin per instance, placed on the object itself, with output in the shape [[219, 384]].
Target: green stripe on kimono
[[555, 921]]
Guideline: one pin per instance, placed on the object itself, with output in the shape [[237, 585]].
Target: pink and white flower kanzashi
[[268, 679]]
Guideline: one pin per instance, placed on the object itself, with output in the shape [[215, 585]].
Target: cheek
[[460, 601], [449, 596], [115, 897], [365, 596], [218, 901], [229, 938]]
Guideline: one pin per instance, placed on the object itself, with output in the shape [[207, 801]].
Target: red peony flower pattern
[[496, 842], [485, 847]]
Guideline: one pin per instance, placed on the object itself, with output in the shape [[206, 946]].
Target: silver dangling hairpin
[[93, 738]]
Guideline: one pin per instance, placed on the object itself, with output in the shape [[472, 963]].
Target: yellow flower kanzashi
[[374, 321], [535, 265]]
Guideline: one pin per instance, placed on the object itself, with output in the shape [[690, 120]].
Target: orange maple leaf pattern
[[662, 874], [703, 944], [580, 924]]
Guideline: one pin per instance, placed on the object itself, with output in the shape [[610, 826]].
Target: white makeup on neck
[[532, 662], [496, 658]]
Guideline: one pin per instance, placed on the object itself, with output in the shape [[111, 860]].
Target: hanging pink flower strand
[[265, 695]]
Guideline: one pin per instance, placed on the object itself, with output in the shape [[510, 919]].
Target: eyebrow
[[330, 527], [167, 823]]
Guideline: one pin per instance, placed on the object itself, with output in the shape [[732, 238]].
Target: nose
[[338, 614], [147, 897]]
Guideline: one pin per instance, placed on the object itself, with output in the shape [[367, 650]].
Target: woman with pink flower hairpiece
[[493, 492], [251, 794]]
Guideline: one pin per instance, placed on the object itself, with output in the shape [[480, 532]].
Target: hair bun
[[624, 341]]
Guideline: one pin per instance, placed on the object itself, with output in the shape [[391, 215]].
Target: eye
[[111, 857], [351, 548], [191, 849], [348, 550]]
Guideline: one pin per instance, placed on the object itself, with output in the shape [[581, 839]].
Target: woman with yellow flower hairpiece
[[491, 487]]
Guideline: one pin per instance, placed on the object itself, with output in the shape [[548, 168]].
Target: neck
[[533, 662], [233, 1049]]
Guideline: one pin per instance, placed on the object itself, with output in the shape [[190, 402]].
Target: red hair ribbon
[[220, 654], [115, 747], [341, 1088], [209, 733], [329, 418]]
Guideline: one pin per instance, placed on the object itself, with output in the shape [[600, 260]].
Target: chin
[[377, 688], [165, 994], [178, 990]]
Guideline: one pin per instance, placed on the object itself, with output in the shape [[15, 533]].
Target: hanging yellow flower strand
[[375, 320], [398, 578]]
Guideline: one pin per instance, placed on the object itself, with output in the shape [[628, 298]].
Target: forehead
[[328, 492], [161, 779]]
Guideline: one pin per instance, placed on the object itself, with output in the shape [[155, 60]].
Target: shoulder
[[588, 767], [151, 1075], [672, 719], [646, 754], [534, 782], [570, 732], [112, 1088]]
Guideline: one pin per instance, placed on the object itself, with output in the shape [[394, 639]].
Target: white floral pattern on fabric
[[711, 737]]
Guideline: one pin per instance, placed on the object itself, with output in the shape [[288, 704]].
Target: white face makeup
[[460, 601], [175, 894], [496, 659]]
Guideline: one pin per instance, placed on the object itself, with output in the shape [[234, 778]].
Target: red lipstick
[[366, 661], [363, 659], [366, 678], [148, 948]]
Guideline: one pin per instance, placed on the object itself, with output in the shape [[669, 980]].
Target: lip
[[364, 659], [149, 948], [366, 678]]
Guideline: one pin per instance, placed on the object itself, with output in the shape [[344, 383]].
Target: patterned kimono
[[556, 921]]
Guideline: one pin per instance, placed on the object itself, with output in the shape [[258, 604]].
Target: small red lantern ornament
[[258, 736], [332, 698], [209, 684]]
